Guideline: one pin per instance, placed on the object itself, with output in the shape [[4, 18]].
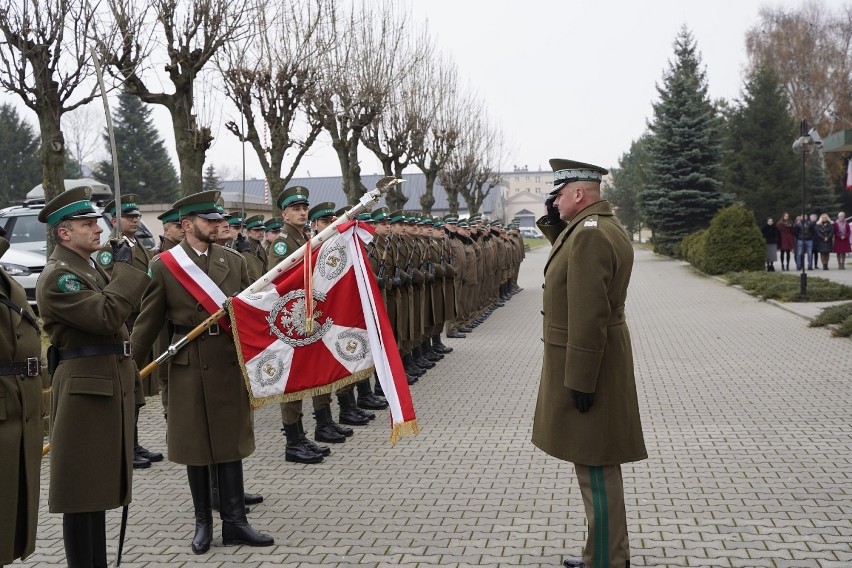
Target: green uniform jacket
[[209, 419], [288, 242], [587, 344], [92, 405], [255, 260], [20, 428]]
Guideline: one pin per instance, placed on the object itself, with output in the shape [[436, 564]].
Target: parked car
[[530, 233], [28, 237], [25, 267]]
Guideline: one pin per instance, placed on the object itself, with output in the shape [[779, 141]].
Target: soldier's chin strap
[[121, 534]]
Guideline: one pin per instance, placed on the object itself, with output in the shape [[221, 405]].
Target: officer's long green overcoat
[[92, 405], [20, 427], [209, 417], [587, 344]]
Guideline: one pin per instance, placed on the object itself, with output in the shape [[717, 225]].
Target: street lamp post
[[806, 138]]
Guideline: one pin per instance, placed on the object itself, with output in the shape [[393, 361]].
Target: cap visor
[[91, 215], [210, 216]]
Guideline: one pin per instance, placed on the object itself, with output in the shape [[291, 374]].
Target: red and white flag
[[284, 358], [849, 176]]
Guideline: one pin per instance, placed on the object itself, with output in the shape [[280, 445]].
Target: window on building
[[538, 179]]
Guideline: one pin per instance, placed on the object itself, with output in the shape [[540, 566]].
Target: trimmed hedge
[[733, 243]]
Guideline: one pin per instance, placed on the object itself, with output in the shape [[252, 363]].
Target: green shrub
[[786, 287], [693, 249], [844, 329], [833, 315], [733, 243]]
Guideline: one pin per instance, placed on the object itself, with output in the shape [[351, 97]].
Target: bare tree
[[437, 134], [84, 127], [270, 81], [408, 113], [810, 49], [44, 61], [473, 167], [357, 74], [185, 34]]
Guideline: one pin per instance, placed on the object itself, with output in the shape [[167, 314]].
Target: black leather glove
[[122, 251], [552, 212], [241, 244], [582, 400]]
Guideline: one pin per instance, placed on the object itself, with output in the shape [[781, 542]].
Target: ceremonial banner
[[283, 358]]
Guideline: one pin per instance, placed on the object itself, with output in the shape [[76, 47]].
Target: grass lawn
[[786, 287]]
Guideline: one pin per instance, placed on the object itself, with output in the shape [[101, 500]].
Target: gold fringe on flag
[[399, 431]]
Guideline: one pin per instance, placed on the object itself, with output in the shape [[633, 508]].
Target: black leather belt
[[185, 329], [29, 368], [122, 348]]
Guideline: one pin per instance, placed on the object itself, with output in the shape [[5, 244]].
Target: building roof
[[331, 189]]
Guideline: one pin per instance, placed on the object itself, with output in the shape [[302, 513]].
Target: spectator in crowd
[[813, 260], [771, 236], [803, 231], [823, 239], [786, 242], [842, 242]]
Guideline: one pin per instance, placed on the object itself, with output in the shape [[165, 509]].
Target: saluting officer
[[588, 411], [20, 418], [209, 421], [94, 378], [293, 203], [128, 223]]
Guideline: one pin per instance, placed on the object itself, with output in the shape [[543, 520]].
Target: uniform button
[[205, 367], [542, 286], [542, 312], [199, 307], [18, 335]]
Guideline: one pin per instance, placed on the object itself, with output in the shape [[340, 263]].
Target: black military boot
[[140, 454], [325, 431], [420, 360], [379, 391], [235, 527], [348, 413], [438, 345], [354, 401], [324, 451], [199, 486], [366, 398], [411, 370], [456, 334], [428, 353], [251, 498], [77, 537], [296, 450]]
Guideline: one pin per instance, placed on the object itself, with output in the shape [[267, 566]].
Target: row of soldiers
[[436, 275]]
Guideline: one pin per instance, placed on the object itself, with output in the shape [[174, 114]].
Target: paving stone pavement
[[746, 413]]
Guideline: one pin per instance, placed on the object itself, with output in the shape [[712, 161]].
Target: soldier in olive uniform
[[380, 255], [271, 232], [129, 223], [20, 418], [293, 203], [94, 378], [209, 421], [172, 235], [588, 411], [456, 261], [256, 258]]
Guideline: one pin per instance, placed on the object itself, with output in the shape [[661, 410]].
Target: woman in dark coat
[[824, 241], [786, 242], [771, 236]]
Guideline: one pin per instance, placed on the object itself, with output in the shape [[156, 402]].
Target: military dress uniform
[[20, 419], [256, 258], [299, 448], [164, 339], [93, 401], [209, 421], [142, 457], [588, 350]]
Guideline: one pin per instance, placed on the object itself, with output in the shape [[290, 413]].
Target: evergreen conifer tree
[[819, 195], [683, 191], [19, 146], [211, 179], [759, 168], [144, 166]]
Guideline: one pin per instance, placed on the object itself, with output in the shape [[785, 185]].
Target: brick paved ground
[[746, 413]]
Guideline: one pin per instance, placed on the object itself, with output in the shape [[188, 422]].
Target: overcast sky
[[565, 78]]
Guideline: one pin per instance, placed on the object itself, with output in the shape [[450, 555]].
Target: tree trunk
[[52, 155], [427, 200], [453, 200], [191, 144]]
